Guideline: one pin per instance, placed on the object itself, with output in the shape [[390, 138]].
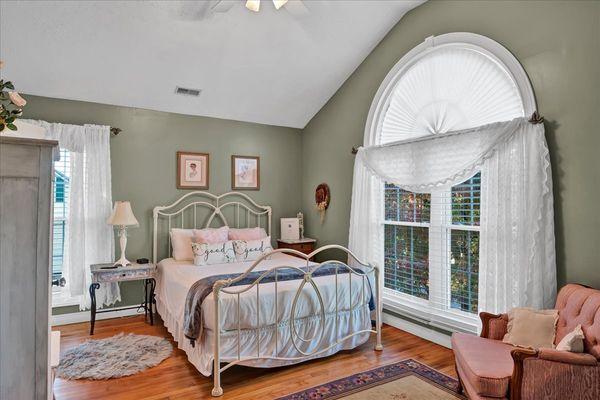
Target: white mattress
[[176, 277]]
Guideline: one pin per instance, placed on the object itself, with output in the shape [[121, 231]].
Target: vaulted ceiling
[[275, 67]]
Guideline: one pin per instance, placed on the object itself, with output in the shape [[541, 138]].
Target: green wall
[[558, 43], [144, 168]]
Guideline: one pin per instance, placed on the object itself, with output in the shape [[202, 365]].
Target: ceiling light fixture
[[254, 5]]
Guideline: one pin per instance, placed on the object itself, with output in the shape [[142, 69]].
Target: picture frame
[[245, 172], [193, 170]]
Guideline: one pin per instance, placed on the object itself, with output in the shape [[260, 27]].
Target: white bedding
[[176, 277]]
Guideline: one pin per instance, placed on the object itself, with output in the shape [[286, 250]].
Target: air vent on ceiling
[[187, 91]]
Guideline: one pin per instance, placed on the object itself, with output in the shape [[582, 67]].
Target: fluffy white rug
[[113, 357]]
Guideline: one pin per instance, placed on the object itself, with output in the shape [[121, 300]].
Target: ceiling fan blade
[[296, 8], [279, 3], [221, 6], [253, 5]]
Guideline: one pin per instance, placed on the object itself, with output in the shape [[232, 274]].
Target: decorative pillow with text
[[250, 250], [218, 253]]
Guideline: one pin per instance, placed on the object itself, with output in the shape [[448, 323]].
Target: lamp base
[[123, 262], [123, 243]]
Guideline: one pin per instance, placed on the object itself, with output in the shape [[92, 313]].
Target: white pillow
[[573, 341], [181, 242], [250, 250], [217, 253]]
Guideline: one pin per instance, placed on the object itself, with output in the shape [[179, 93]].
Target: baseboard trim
[[418, 330], [84, 316]]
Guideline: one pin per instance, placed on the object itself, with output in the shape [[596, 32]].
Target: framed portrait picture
[[192, 170], [245, 173]]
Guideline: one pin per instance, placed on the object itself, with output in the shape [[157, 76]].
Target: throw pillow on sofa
[[531, 328], [573, 341]]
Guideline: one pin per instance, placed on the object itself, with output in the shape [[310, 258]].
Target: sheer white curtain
[[517, 256], [89, 239]]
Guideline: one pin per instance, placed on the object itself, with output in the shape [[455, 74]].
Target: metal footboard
[[355, 299]]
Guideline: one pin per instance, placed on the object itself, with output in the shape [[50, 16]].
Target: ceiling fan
[[203, 10], [254, 5]]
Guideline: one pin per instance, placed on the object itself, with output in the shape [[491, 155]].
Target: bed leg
[[378, 345], [217, 389]]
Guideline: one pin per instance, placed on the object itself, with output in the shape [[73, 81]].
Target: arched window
[[431, 240], [447, 83]]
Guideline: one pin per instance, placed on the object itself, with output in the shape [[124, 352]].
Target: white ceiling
[[271, 67]]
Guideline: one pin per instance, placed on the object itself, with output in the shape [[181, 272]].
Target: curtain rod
[[534, 119], [115, 131]]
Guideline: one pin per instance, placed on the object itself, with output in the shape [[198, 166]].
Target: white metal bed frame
[[216, 205]]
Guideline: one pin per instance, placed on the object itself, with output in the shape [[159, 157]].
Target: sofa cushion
[[470, 391], [576, 305], [486, 364]]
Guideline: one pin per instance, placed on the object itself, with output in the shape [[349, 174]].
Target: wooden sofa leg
[[459, 388]]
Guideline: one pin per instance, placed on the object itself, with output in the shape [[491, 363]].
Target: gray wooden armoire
[[26, 174]]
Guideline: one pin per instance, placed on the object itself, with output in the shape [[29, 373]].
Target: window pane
[[407, 260], [62, 176], [464, 270], [466, 200], [401, 205]]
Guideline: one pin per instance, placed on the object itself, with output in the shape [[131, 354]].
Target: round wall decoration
[[322, 199]]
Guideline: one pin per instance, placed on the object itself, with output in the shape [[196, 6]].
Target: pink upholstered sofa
[[490, 369]]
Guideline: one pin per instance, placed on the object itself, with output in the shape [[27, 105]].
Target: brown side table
[[305, 245]]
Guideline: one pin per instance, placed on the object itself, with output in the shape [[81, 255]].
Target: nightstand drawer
[[119, 276], [132, 272], [305, 246]]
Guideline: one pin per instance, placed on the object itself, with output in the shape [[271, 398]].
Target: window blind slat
[[61, 186], [421, 232]]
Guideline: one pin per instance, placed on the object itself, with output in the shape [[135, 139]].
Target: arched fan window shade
[[450, 89], [448, 83]]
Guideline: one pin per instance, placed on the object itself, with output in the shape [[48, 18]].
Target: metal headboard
[[196, 210]]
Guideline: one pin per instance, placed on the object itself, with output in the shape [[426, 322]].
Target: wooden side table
[[133, 272], [305, 245]]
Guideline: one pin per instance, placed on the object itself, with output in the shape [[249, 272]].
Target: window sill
[[61, 298], [451, 321]]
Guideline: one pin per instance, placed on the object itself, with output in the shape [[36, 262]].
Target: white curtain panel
[[517, 254], [89, 239]]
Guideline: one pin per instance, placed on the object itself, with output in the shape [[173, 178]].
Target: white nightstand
[[134, 272]]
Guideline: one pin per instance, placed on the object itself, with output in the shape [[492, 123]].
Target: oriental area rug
[[404, 380]]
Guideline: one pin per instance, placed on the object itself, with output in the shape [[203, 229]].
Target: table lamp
[[122, 216]]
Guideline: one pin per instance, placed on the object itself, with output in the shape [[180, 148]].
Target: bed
[[267, 321]]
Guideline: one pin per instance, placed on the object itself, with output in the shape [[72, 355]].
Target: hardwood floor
[[175, 378]]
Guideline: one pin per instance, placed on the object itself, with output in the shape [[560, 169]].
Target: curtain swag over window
[[89, 239], [517, 255]]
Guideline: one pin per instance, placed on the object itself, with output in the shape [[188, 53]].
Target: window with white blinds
[[62, 177], [431, 248]]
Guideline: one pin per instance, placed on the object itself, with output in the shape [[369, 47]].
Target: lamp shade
[[122, 214]]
